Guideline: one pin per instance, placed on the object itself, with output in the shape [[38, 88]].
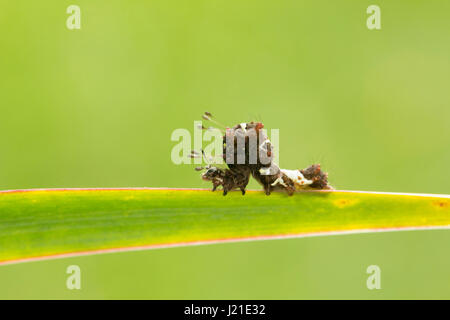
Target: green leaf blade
[[40, 224]]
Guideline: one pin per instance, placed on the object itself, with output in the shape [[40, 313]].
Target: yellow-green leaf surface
[[37, 224]]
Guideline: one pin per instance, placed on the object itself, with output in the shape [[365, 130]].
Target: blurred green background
[[96, 108]]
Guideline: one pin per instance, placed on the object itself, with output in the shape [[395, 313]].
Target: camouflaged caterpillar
[[248, 151]]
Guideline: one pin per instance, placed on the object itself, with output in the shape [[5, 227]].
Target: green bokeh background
[[96, 108]]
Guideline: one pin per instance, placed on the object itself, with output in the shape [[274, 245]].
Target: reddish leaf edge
[[216, 241], [434, 195]]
